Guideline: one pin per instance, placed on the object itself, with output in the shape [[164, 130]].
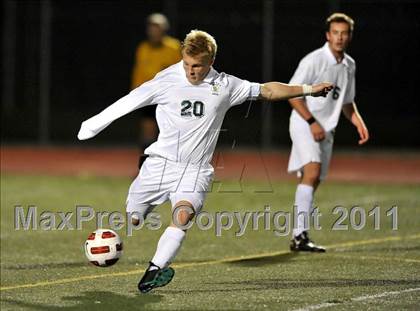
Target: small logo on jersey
[[215, 89]]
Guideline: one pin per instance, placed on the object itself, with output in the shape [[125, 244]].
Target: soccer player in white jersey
[[192, 99], [313, 120]]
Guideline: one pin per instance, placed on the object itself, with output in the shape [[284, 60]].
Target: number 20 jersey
[[189, 116]]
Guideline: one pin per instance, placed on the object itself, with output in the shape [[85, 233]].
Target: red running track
[[248, 165]]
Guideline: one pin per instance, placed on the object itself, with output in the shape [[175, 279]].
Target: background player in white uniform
[[313, 120], [192, 99]]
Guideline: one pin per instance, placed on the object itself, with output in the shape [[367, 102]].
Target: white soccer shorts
[[160, 180], [305, 149]]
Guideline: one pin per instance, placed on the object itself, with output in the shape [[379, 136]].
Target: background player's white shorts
[[305, 149], [160, 180]]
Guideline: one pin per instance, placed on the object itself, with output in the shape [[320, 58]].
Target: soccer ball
[[103, 247]]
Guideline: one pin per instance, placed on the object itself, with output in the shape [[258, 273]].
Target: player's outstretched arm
[[139, 97], [97, 123], [274, 91]]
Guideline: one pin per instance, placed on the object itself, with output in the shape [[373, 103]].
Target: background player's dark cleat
[[155, 277], [302, 243]]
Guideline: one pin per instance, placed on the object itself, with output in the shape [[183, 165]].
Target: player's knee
[[312, 180], [137, 217], [312, 174], [183, 214], [135, 221]]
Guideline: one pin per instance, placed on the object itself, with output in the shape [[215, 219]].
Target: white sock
[[168, 246], [303, 205]]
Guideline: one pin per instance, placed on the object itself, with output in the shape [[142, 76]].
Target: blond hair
[[198, 42], [339, 18]]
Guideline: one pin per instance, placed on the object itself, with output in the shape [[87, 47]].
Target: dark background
[[92, 52]]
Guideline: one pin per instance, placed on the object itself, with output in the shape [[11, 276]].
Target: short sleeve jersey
[[321, 66], [189, 116]]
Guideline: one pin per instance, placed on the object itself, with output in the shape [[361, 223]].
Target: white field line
[[358, 299], [204, 263], [377, 258]]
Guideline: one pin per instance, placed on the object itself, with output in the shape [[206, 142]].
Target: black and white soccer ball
[[103, 247]]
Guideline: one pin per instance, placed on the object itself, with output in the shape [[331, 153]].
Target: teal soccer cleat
[[155, 277]]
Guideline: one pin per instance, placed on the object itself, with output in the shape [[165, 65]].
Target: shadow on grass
[[388, 249], [262, 284], [278, 284], [266, 260], [95, 301]]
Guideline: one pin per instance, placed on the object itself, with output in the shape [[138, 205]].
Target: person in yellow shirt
[[152, 56], [157, 52]]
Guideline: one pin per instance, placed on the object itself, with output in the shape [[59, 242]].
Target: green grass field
[[362, 269]]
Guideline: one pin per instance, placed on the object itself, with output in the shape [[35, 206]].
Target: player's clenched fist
[[85, 133], [321, 89]]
